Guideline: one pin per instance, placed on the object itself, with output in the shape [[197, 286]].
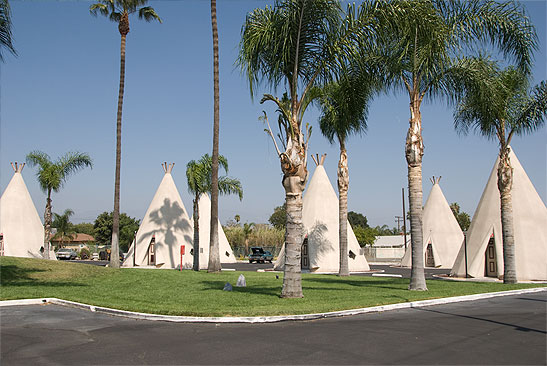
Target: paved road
[[503, 330]]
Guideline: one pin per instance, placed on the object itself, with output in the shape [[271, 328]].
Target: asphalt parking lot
[[508, 330]]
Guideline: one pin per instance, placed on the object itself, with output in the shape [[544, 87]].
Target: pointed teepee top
[[435, 180], [318, 161], [17, 168], [167, 168]]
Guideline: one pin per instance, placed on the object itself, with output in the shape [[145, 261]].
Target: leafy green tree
[[365, 236], [52, 176], [357, 219], [103, 229], [199, 177], [344, 110], [278, 219], [118, 11], [500, 106], [84, 228], [5, 29], [462, 218], [65, 229], [417, 50], [297, 43]]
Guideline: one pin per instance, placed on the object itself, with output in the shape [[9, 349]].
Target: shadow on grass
[[15, 276], [384, 283], [219, 285]]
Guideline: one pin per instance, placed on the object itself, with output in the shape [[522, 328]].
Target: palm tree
[[52, 176], [247, 230], [65, 229], [297, 43], [199, 176], [214, 257], [419, 42], [344, 111], [499, 107], [118, 11], [5, 29]]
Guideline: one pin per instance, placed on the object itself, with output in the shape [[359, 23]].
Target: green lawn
[[200, 293]]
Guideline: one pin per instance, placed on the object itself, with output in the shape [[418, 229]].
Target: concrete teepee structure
[[20, 225], [164, 228], [225, 251], [320, 250], [484, 237], [441, 232]]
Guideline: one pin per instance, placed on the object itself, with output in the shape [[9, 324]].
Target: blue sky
[[60, 94]]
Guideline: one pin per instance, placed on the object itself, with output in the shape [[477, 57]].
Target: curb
[[266, 319]]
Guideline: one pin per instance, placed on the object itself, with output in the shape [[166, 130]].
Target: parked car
[[259, 255], [66, 253], [95, 256]]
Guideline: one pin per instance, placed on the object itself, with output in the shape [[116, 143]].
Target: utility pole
[[399, 219]]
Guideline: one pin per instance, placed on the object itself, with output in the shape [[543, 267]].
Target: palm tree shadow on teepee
[[168, 220]]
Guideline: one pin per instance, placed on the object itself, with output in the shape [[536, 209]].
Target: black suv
[[259, 255]]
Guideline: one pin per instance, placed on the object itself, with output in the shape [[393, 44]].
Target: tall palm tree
[[5, 29], [419, 42], [499, 107], [52, 176], [344, 106], [297, 43], [214, 256], [247, 230], [199, 176], [65, 229], [118, 11]]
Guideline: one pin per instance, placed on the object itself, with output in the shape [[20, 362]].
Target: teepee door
[[152, 252], [429, 259], [491, 268], [305, 262]]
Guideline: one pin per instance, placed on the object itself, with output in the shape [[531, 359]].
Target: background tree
[[118, 11], [278, 218], [84, 228], [297, 43], [500, 106], [462, 218], [103, 229], [357, 219], [237, 218], [199, 178], [52, 176], [247, 230], [65, 229], [419, 42], [214, 256], [5, 29], [365, 236], [344, 110]]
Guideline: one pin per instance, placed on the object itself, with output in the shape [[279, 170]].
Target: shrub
[[84, 253]]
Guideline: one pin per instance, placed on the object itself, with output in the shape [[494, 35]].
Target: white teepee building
[[442, 234], [164, 228], [20, 225], [320, 250], [225, 251], [484, 237]]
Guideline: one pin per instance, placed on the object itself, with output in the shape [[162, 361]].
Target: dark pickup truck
[[259, 255]]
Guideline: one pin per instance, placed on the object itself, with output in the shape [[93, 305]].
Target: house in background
[[79, 241], [387, 248]]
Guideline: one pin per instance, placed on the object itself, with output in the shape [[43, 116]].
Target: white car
[[66, 253]]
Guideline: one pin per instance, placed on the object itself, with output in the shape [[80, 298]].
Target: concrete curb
[[267, 319]]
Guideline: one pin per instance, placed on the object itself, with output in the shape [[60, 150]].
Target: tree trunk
[[246, 245], [214, 258], [115, 244], [505, 185], [196, 233], [292, 276], [47, 224], [414, 151], [343, 184]]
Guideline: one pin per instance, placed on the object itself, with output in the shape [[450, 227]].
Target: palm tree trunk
[[214, 258], [47, 224], [196, 233], [292, 278], [414, 151], [505, 184], [115, 247], [343, 184]]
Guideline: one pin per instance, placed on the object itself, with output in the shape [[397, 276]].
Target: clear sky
[[60, 94]]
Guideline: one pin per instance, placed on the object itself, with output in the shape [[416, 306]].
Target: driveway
[[496, 331]]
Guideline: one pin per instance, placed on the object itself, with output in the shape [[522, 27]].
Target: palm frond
[[5, 29]]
